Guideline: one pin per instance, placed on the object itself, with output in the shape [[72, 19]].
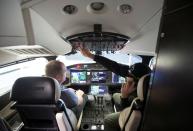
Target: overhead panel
[[98, 40]]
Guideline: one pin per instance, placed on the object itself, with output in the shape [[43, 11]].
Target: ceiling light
[[97, 6]]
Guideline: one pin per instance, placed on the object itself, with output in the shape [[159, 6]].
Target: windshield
[[36, 67], [118, 57]]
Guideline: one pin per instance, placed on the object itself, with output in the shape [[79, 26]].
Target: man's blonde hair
[[54, 68]]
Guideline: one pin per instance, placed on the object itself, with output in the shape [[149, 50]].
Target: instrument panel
[[98, 83], [93, 74], [94, 79]]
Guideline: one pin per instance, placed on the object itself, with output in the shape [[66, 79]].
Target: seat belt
[[68, 119], [127, 119]]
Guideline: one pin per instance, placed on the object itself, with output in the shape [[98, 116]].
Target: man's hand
[[79, 92], [85, 52], [127, 88]]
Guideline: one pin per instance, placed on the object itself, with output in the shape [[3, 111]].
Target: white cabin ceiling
[[82, 21], [132, 25], [141, 24]]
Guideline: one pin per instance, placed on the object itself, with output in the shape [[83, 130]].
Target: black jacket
[[118, 69], [113, 66]]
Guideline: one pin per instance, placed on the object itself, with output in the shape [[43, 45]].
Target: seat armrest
[[61, 123]]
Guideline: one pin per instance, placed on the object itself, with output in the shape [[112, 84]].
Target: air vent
[[70, 9], [34, 50], [124, 8]]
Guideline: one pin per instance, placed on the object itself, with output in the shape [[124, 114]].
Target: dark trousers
[[111, 122]]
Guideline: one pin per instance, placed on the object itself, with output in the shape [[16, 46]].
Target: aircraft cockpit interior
[[96, 65], [40, 36], [99, 84], [95, 80]]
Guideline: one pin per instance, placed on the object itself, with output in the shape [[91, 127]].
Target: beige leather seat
[[130, 117]]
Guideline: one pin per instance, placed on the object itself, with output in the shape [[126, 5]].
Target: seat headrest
[[142, 87], [36, 90]]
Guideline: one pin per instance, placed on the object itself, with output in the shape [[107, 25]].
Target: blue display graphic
[[78, 76], [98, 77], [98, 89], [117, 78]]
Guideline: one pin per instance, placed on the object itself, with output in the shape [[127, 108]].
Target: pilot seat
[[37, 100], [130, 118]]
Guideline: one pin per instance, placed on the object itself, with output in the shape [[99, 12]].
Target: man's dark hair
[[138, 70]]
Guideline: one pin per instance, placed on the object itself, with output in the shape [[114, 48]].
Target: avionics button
[[102, 127], [93, 127]]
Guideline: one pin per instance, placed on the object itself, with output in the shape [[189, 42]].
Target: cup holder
[[85, 126]]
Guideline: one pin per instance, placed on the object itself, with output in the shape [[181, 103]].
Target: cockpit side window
[[152, 63], [9, 74]]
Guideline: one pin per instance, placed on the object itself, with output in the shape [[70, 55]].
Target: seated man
[[134, 71], [111, 121], [74, 99], [128, 90]]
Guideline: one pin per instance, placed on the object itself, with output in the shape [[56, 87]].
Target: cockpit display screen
[[98, 77], [78, 76], [98, 89], [117, 78]]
